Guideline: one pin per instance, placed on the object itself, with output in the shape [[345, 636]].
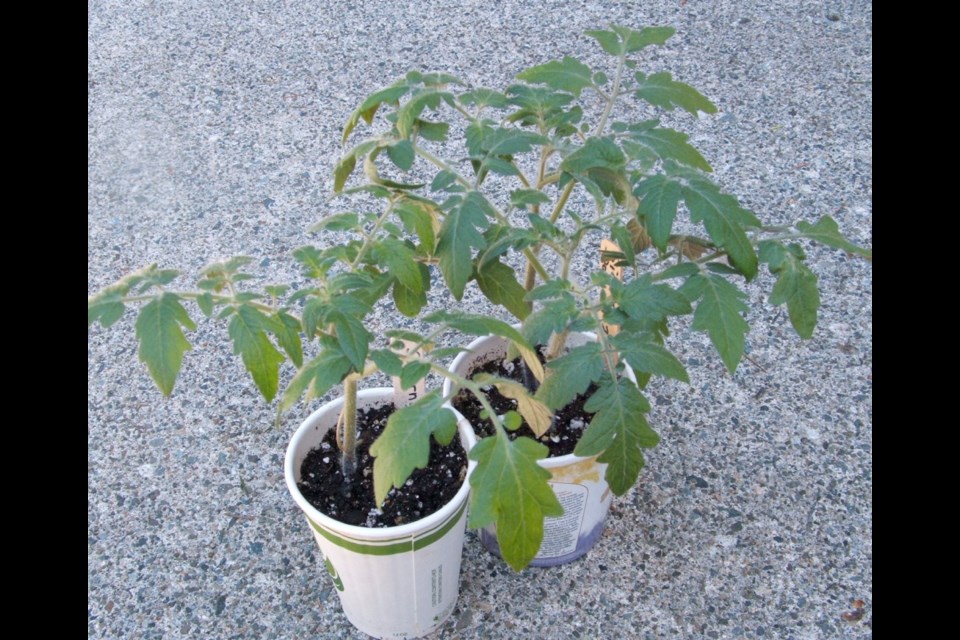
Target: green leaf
[[248, 331], [354, 339], [796, 286], [412, 373], [550, 289], [659, 196], [636, 40], [571, 374], [617, 432], [316, 377], [646, 355], [206, 304], [510, 489], [498, 282], [410, 301], [368, 108], [337, 222], [596, 152], [401, 262], [388, 362], [528, 197], [724, 220], [608, 40], [419, 217], [162, 343], [342, 171], [553, 317], [537, 415], [409, 113], [668, 144], [401, 153], [660, 89], [508, 141], [287, 330], [461, 232], [481, 97], [433, 131], [643, 300], [405, 443], [826, 231], [315, 264], [443, 181], [719, 314], [567, 75], [106, 306]]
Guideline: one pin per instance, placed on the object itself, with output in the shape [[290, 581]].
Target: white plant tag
[[402, 397]]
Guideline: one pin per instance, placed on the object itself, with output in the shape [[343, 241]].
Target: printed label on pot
[[560, 534], [404, 396]]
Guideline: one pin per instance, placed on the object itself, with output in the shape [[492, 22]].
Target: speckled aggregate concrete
[[213, 129]]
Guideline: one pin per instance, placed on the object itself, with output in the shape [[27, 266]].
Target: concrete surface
[[213, 128]]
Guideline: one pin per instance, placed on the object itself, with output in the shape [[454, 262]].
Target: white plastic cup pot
[[578, 482], [394, 582]]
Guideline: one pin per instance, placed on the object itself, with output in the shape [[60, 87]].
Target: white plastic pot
[[395, 582], [578, 482]]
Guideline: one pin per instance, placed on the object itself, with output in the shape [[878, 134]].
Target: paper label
[[609, 265], [402, 397], [560, 534]]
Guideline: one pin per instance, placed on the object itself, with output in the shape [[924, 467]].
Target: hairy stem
[[348, 419]]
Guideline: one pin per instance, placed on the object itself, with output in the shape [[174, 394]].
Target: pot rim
[[366, 397]]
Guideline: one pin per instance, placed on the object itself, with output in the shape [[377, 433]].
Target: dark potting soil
[[568, 423], [427, 490]]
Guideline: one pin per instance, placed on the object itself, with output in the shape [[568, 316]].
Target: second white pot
[[578, 482]]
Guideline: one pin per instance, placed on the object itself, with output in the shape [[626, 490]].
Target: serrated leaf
[[410, 301], [459, 235], [409, 113], [634, 40], [498, 282], [368, 108], [724, 220], [646, 355], [568, 74], [660, 89], [400, 261], [649, 302], [433, 131], [796, 286], [719, 314], [507, 141], [353, 338], [205, 302], [338, 222], [162, 343], [481, 97], [536, 414], [315, 264], [387, 361], [609, 41], [248, 329], [827, 231], [521, 198], [106, 306], [342, 171], [422, 219], [316, 377], [287, 330], [682, 270], [550, 289], [622, 238], [500, 166], [617, 432], [571, 374], [553, 317], [404, 444], [443, 180], [668, 144], [509, 489], [412, 373], [595, 153]]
